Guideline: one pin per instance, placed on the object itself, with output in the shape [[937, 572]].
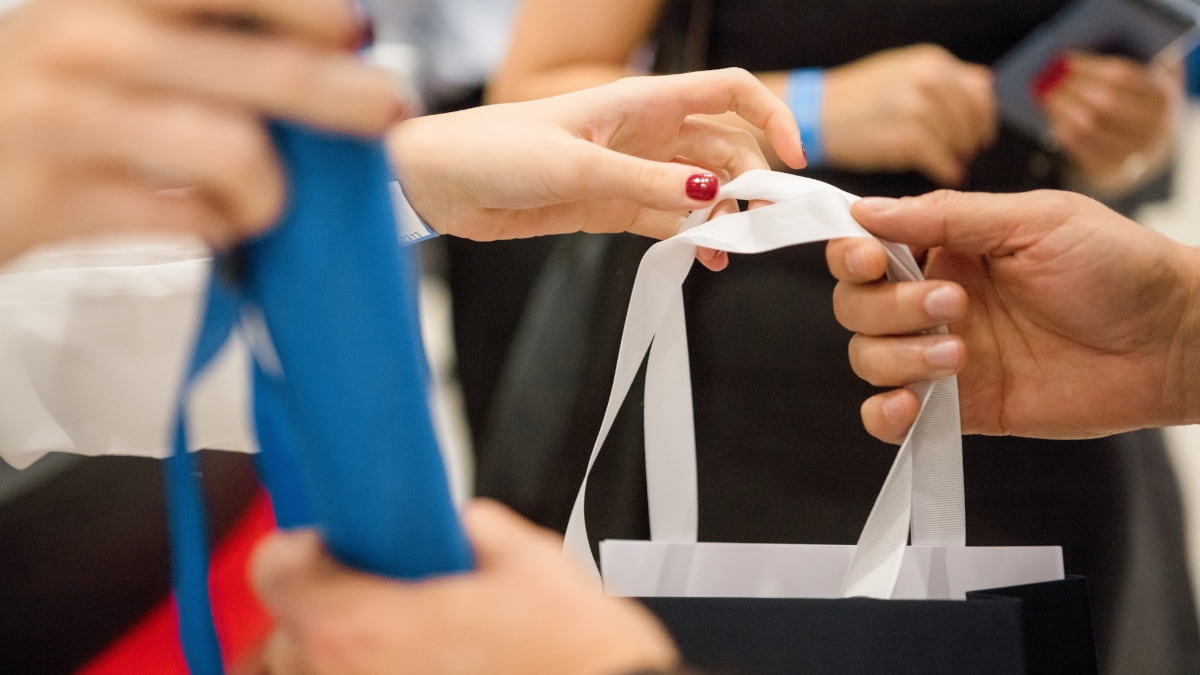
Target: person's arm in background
[[916, 107], [1066, 319], [135, 116], [525, 610], [1116, 119]]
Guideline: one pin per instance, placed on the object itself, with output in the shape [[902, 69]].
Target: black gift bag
[[1035, 628]]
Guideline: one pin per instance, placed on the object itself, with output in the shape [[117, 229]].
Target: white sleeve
[[94, 340]]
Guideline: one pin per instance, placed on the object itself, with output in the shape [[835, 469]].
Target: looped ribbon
[[924, 488], [327, 302]]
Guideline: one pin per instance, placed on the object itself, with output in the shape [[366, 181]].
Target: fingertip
[[278, 559], [487, 519], [788, 144], [865, 261], [946, 302], [482, 511], [899, 410], [498, 532], [713, 260], [702, 187], [856, 260], [888, 416]]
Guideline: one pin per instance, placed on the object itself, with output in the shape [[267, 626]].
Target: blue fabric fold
[[328, 301]]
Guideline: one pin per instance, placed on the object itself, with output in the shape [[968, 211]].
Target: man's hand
[[1066, 319]]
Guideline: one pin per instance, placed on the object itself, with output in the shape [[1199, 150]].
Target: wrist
[[804, 95], [1188, 341]]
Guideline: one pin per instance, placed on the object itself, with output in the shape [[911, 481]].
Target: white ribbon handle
[[924, 487]]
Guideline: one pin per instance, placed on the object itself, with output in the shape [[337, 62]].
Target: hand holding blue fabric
[[526, 609], [1075, 322], [148, 116]]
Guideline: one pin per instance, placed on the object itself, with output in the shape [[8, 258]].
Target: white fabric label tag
[[408, 224]]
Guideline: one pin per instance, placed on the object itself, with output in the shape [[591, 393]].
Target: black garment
[[489, 283], [83, 550], [782, 456]]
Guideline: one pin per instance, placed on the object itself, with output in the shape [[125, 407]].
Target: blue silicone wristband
[[805, 90]]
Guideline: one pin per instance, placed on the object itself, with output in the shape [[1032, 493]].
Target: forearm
[[557, 47], [523, 84]]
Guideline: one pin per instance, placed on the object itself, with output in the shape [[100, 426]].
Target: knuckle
[[291, 72], [1056, 201], [909, 143], [1123, 73], [863, 363], [377, 102], [739, 75], [912, 106], [29, 104], [1087, 121], [1105, 99], [928, 50], [89, 41], [249, 166], [326, 644], [932, 57], [945, 199]]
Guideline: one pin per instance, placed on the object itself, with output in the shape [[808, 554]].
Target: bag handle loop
[[923, 489]]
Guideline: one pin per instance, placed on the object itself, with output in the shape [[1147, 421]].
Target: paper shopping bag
[[922, 495]]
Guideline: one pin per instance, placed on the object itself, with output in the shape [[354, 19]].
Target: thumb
[[283, 564], [498, 533], [972, 223]]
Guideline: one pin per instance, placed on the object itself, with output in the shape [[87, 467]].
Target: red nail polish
[[1050, 77], [702, 186]]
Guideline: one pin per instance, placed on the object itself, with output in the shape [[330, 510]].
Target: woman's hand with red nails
[[1115, 118], [635, 155], [106, 103]]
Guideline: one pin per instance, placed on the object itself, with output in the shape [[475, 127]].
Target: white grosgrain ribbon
[[924, 488]]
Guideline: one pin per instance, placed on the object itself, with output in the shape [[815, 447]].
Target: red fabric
[[151, 647]]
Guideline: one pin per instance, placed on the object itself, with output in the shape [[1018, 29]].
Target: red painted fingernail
[[702, 186], [1050, 77]]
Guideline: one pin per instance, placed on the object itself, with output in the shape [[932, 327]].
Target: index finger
[[499, 534], [284, 564], [856, 259], [334, 23], [735, 90]]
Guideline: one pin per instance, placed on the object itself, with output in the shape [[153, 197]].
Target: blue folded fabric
[[327, 301]]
